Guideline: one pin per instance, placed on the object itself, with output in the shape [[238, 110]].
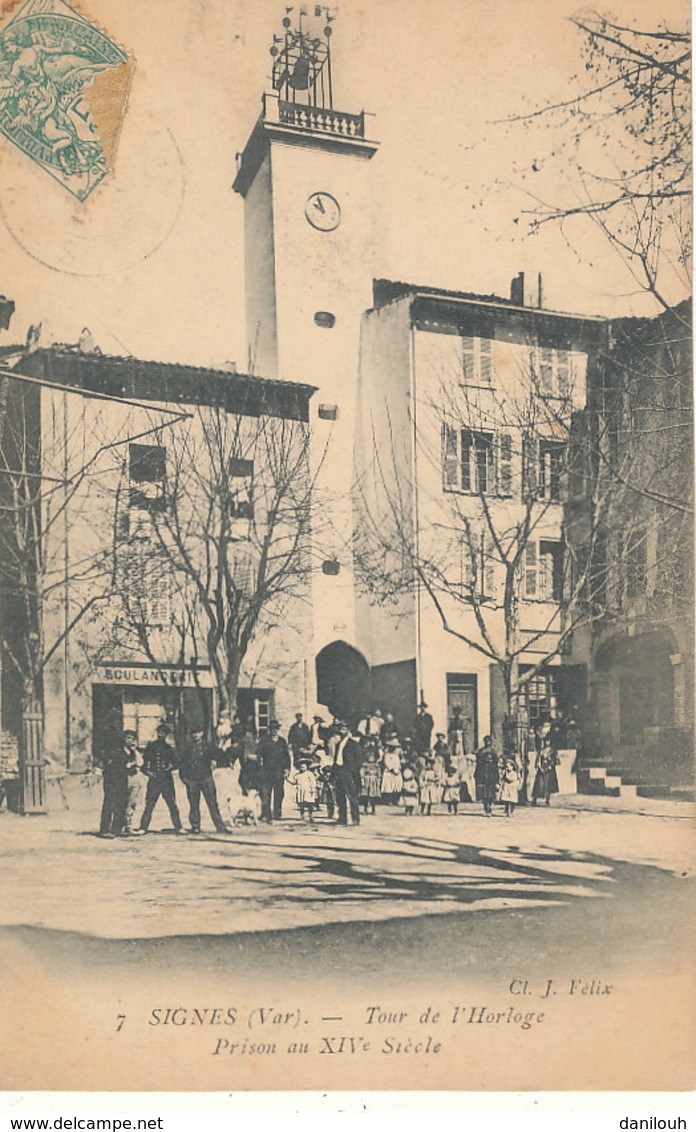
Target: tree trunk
[[510, 722], [227, 689]]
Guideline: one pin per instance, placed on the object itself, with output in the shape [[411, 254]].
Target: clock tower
[[304, 175]]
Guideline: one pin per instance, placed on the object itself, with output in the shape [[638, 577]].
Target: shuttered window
[[542, 574], [504, 464], [476, 462], [554, 371], [477, 360]]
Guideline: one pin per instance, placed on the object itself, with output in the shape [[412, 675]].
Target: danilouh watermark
[[651, 1123]]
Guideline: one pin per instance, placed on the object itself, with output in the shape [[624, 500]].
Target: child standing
[[370, 779], [450, 793], [305, 782], [326, 791], [409, 790], [429, 792], [509, 785]]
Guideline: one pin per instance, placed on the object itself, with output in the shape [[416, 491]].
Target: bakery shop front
[[137, 697]]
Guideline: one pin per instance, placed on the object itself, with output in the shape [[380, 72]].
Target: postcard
[[346, 546]]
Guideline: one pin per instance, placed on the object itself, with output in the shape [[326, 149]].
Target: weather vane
[[302, 59]]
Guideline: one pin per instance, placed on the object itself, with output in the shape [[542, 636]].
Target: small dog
[[246, 810]]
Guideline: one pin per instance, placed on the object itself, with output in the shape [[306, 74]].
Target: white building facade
[[466, 406], [159, 503]]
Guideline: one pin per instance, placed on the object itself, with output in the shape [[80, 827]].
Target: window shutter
[[469, 360], [468, 568], [544, 575], [530, 570], [551, 467], [546, 371], [486, 346], [465, 462], [564, 473], [530, 466], [243, 566], [489, 571], [449, 458], [504, 463], [564, 374]]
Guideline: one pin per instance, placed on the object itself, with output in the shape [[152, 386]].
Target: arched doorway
[[343, 681]]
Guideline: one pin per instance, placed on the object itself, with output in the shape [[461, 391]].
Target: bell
[[299, 79]]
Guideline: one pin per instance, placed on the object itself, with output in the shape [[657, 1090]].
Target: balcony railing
[[318, 120]]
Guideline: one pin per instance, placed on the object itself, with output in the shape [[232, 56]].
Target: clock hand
[[319, 204]]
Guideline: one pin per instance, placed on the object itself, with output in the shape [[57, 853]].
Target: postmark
[[63, 93]]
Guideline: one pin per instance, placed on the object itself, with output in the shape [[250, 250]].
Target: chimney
[[6, 311], [526, 290]]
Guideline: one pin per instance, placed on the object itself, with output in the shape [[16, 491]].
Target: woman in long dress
[[545, 779]]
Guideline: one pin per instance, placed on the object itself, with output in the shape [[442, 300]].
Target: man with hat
[[274, 757], [196, 772], [159, 760], [423, 728], [116, 769], [317, 733], [299, 737], [348, 757]]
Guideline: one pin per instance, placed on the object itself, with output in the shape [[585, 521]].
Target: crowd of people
[[333, 769]]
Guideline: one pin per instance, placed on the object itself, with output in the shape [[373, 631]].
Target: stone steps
[[596, 777]]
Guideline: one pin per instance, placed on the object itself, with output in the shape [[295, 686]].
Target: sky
[[153, 262]]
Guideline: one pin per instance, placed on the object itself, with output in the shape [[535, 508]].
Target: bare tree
[[218, 529], [623, 140], [504, 545], [59, 540], [47, 587]]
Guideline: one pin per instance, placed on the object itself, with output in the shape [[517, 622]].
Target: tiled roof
[[167, 381], [386, 291]]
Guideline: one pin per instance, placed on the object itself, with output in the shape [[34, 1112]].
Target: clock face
[[323, 212]]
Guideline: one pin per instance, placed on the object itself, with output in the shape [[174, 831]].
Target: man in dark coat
[[159, 760], [423, 728], [274, 757], [196, 771], [299, 737], [116, 767], [348, 758]]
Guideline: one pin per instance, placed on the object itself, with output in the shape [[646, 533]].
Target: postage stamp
[[63, 92]]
